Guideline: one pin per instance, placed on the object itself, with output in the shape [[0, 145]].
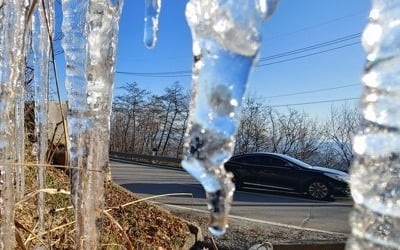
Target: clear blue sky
[[296, 24]]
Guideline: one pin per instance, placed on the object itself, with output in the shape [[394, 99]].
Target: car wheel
[[318, 190]]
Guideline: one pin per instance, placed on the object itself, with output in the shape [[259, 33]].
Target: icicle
[[41, 53], [20, 145], [226, 40], [75, 51], [151, 16], [103, 18], [20, 120], [375, 172], [12, 25], [90, 36]]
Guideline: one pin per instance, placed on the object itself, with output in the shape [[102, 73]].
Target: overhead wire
[[316, 102], [313, 47], [317, 25], [187, 73], [314, 91], [308, 55]]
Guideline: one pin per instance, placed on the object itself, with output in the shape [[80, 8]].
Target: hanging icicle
[[103, 22], [20, 144], [74, 44], [12, 27], [226, 39], [151, 16], [41, 54], [90, 39], [375, 171], [20, 119]]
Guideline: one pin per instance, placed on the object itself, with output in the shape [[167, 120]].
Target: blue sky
[[296, 24]]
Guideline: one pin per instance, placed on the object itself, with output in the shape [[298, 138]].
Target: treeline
[[146, 123], [297, 134]]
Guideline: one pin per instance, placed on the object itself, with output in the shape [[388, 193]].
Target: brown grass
[[141, 224]]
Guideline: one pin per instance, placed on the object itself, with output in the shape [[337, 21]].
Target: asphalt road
[[249, 205]]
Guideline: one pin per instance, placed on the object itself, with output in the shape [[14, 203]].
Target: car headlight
[[342, 178]]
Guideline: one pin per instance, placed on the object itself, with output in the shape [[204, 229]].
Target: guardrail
[[162, 160]]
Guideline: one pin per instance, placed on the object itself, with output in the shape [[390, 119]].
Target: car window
[[252, 159], [237, 159], [263, 160], [276, 162]]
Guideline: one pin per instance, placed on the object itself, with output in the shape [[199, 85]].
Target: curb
[[331, 246], [120, 160], [195, 236]]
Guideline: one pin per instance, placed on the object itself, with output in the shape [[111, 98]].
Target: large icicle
[[151, 16], [226, 40], [90, 36], [75, 51], [103, 18], [41, 53], [20, 145], [20, 119], [375, 182], [12, 26]]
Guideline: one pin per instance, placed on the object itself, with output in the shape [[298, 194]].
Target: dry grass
[[140, 225]]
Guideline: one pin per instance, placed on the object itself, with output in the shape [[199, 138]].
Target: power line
[[316, 102], [186, 73], [316, 25], [314, 91], [312, 47], [308, 55]]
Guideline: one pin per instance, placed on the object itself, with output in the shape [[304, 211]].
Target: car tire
[[318, 190]]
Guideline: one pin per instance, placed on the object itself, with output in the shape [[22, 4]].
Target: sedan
[[284, 173]]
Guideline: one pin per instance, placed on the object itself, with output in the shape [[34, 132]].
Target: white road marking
[[258, 221]]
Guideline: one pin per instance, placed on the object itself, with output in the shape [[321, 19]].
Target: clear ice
[[12, 66], [103, 24], [20, 145], [41, 55], [151, 16], [74, 44], [90, 40], [226, 40], [375, 175]]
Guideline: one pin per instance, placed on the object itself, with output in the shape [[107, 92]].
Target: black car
[[284, 173]]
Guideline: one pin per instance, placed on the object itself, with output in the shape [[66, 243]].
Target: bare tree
[[129, 105], [341, 125], [253, 128], [295, 134], [145, 124]]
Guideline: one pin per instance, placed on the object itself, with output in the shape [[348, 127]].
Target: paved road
[[261, 207]]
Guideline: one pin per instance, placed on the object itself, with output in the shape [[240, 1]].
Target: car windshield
[[296, 161]]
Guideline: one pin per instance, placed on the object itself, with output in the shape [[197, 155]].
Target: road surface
[[258, 207]]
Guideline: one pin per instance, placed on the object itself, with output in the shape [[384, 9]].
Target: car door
[[283, 174], [255, 170], [239, 167], [258, 170], [246, 168]]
